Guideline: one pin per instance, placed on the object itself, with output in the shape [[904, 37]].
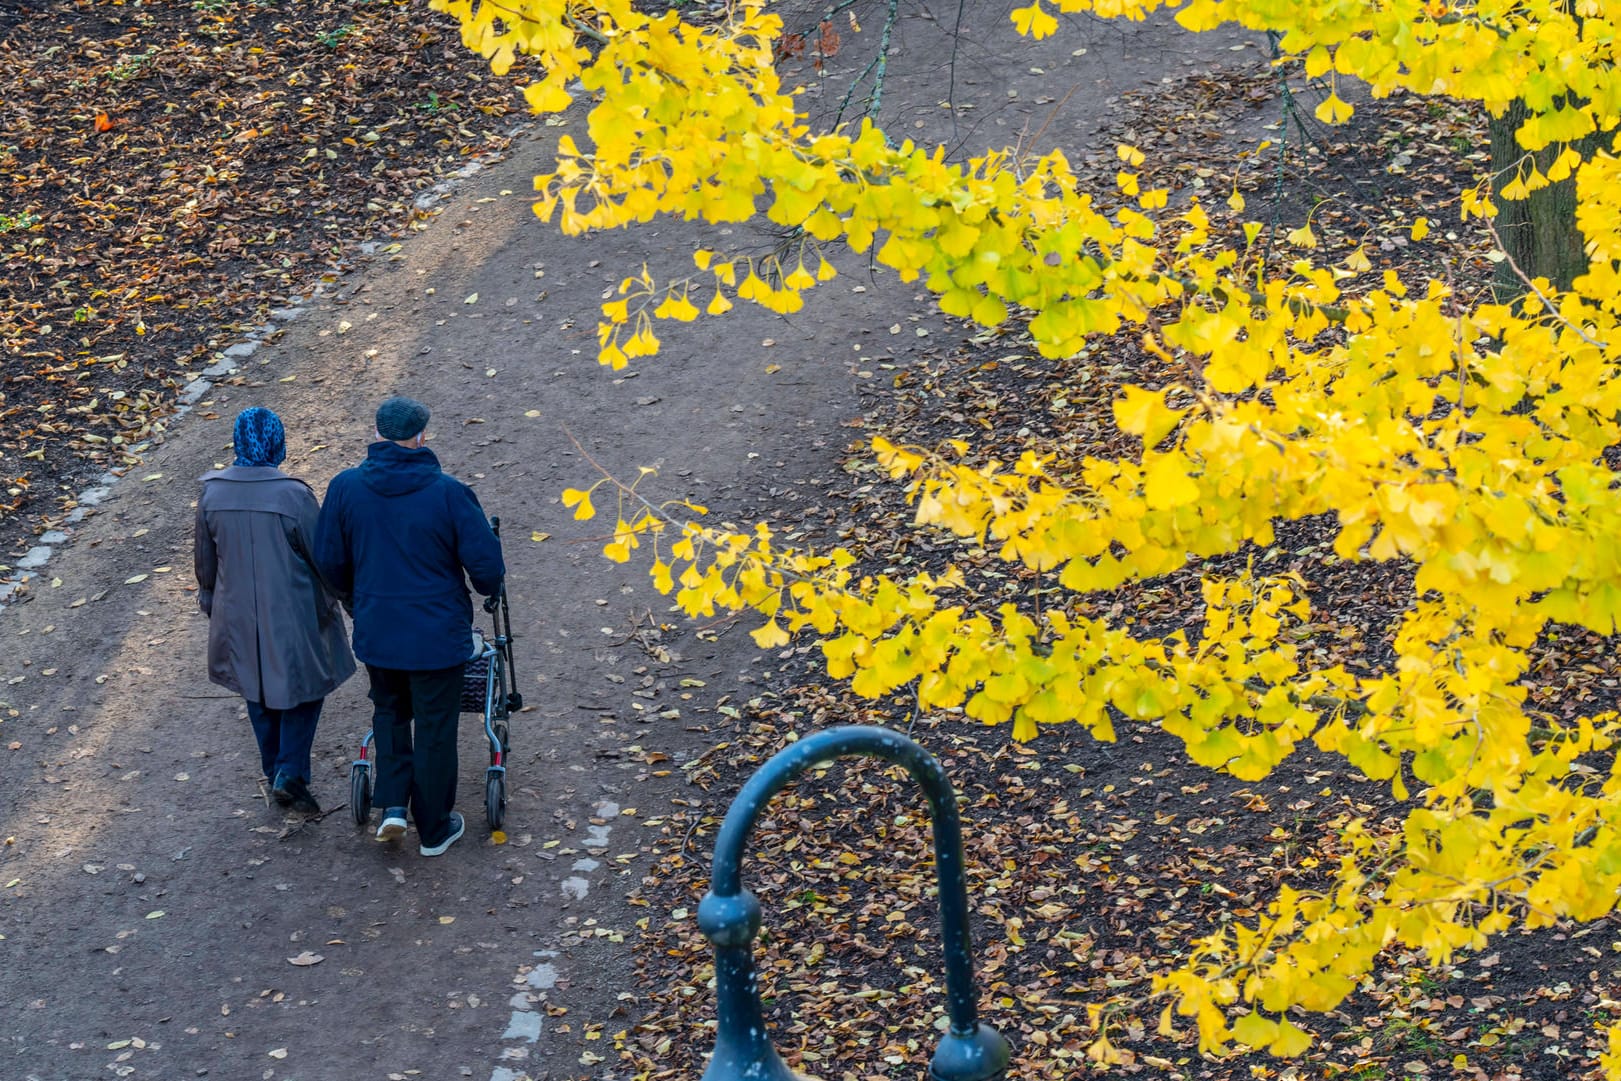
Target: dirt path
[[151, 901]]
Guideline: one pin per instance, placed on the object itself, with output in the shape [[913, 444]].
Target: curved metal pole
[[729, 915]]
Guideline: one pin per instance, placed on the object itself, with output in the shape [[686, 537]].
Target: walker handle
[[491, 601]]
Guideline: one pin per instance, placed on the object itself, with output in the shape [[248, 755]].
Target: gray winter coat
[[275, 633]]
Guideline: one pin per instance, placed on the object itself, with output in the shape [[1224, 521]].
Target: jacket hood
[[390, 469]]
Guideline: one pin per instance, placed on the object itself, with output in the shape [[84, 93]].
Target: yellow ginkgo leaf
[[1333, 110], [770, 635], [581, 502], [1255, 1030], [676, 307], [1290, 1041], [1144, 413], [1034, 21], [1166, 483]]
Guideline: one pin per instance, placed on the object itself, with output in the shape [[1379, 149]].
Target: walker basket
[[476, 682]]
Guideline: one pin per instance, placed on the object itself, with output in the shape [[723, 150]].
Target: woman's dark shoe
[[301, 799], [281, 789]]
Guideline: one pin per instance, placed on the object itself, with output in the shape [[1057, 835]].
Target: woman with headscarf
[[275, 635]]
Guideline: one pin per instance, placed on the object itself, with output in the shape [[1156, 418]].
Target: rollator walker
[[489, 689]]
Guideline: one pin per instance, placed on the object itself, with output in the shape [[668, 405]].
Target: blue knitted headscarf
[[259, 437]]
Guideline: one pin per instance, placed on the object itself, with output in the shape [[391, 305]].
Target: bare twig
[[298, 827], [696, 822], [1548, 305]]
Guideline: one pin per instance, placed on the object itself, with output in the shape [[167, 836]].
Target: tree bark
[[1539, 232]]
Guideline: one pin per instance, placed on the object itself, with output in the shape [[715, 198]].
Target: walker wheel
[[360, 792], [495, 797]]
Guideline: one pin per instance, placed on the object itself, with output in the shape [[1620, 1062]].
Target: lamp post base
[[981, 1055], [757, 1060]]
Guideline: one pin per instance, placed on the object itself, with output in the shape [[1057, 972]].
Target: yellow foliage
[[1465, 441]]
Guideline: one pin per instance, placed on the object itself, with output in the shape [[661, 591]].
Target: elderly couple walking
[[394, 542]]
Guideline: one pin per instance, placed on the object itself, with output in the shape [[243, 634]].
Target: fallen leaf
[[306, 959]]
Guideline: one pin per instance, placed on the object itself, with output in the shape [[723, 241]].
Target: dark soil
[[174, 171]]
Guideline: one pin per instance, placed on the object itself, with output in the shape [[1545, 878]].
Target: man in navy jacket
[[396, 535]]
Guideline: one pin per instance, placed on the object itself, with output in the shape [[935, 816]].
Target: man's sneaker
[[281, 790], [303, 800], [393, 827], [458, 826]]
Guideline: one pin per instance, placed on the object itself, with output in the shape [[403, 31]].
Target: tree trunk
[[1539, 232]]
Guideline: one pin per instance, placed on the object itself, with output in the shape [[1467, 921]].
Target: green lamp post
[[729, 916]]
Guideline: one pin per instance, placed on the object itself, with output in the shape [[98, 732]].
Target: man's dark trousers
[[421, 772]]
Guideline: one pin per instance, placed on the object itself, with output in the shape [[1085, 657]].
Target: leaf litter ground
[[173, 173], [1091, 865]]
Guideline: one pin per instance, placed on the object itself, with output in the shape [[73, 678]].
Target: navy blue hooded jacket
[[395, 535]]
